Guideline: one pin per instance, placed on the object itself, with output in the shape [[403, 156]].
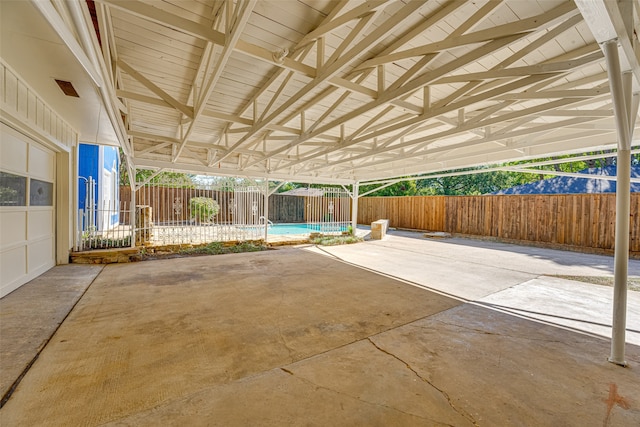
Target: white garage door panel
[[40, 224], [40, 255], [13, 153], [41, 163], [12, 228], [13, 267], [27, 239]]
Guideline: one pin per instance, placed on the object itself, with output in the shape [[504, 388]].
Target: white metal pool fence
[[178, 211]]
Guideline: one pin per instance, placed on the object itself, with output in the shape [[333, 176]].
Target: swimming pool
[[285, 229]]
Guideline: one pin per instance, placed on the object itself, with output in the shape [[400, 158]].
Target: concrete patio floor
[[442, 333]]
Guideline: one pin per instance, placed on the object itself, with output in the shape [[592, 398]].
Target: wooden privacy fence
[[169, 204], [583, 220], [284, 208]]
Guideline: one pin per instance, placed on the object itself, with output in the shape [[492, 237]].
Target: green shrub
[[218, 248], [334, 240], [203, 209]]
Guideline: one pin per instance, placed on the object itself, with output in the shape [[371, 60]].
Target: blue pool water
[[284, 229]]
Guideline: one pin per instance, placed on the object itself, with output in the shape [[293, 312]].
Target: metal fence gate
[[177, 209], [328, 210], [168, 209]]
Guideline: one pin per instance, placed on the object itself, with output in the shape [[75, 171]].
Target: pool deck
[[402, 331]]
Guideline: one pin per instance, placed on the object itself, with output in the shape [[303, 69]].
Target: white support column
[[266, 210], [66, 212], [354, 206], [132, 204], [621, 93]]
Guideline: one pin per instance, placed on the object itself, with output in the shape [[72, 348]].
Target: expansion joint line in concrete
[[460, 411], [15, 384], [317, 386]]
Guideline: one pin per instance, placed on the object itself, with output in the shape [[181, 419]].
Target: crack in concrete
[[444, 394], [317, 386], [279, 324]]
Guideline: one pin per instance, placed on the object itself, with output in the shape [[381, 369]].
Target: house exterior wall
[[38, 156]]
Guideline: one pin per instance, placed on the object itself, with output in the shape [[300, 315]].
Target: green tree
[[175, 178], [402, 188]]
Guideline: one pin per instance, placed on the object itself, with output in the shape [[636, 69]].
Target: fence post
[[354, 206], [266, 210], [132, 209]]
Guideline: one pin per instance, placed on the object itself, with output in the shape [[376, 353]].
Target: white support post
[[266, 210], [621, 107], [132, 205], [354, 206]]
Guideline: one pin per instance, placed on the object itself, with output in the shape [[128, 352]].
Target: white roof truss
[[355, 90]]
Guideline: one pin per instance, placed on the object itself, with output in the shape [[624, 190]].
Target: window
[[13, 190], [40, 193]]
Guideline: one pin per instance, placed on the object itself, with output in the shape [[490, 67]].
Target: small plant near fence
[[92, 242], [203, 209], [218, 248], [329, 240]]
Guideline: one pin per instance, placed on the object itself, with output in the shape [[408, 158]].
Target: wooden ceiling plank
[[577, 53], [577, 113], [275, 96], [155, 89], [134, 96], [468, 126], [476, 18], [167, 19], [415, 69], [337, 103], [542, 40], [337, 82], [448, 149], [203, 32], [230, 118], [523, 71], [337, 22], [579, 93], [244, 11], [298, 51], [359, 29], [481, 36], [332, 69], [424, 142], [413, 85], [153, 148], [424, 24], [194, 156]]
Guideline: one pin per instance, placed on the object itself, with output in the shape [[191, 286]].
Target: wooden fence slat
[[586, 220]]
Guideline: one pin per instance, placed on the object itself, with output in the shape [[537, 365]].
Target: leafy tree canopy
[[467, 184]]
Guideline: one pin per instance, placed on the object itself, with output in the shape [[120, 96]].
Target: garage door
[[27, 211]]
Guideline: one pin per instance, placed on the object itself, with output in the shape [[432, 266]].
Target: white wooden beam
[[355, 13], [410, 87], [332, 69], [235, 29], [481, 36], [187, 111]]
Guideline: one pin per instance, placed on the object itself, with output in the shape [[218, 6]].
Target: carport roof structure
[[346, 91], [343, 92]]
